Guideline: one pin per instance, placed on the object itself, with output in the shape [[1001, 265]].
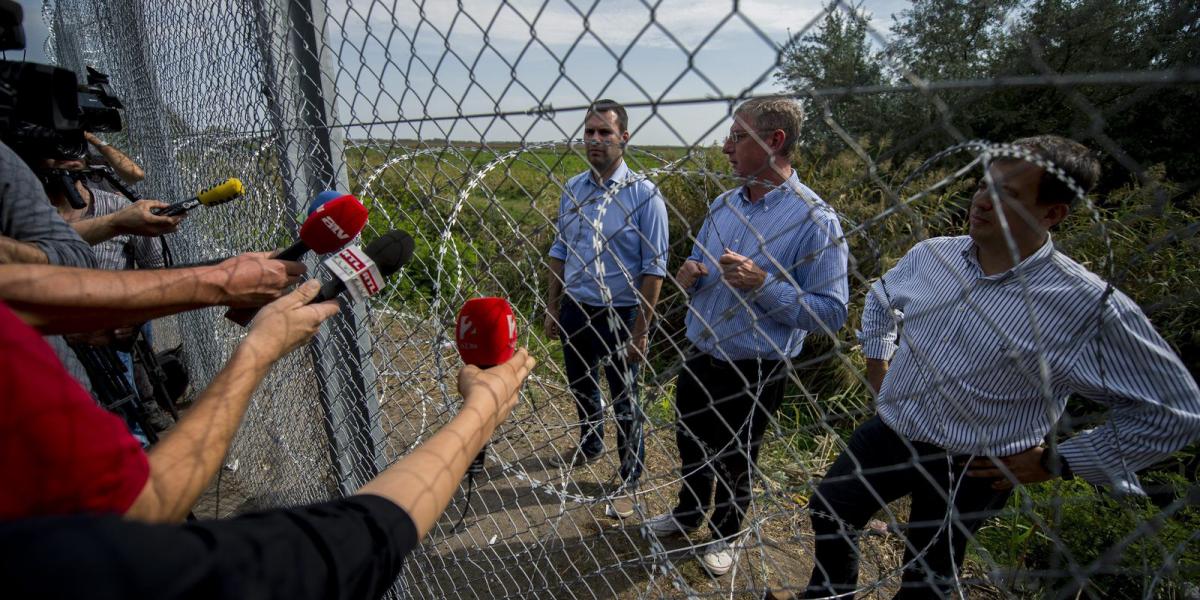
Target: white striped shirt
[[123, 251], [985, 363]]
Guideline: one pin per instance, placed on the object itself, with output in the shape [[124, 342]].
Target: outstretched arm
[[423, 482], [56, 300], [184, 462]]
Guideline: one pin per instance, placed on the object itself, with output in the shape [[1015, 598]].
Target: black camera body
[[43, 109], [44, 112]]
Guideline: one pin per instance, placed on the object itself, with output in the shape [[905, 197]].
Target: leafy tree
[[836, 55]]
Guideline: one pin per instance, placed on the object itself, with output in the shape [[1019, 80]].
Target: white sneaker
[[621, 507], [717, 558], [665, 524]]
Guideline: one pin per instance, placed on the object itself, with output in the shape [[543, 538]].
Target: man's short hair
[[606, 105], [776, 112], [1079, 163]]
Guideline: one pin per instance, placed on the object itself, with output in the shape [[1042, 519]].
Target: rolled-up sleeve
[[1155, 404], [882, 311], [558, 249], [655, 237], [815, 296]]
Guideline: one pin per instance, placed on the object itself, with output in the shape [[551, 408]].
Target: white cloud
[[615, 22]]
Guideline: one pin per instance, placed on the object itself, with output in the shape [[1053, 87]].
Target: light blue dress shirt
[[633, 238], [796, 238]]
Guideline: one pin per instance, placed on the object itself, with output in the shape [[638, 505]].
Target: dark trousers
[[594, 337], [877, 467], [724, 409]]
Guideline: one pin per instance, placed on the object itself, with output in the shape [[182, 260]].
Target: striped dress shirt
[[984, 364], [796, 238], [124, 251]]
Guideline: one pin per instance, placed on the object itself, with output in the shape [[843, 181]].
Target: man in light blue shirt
[[609, 257], [767, 268]]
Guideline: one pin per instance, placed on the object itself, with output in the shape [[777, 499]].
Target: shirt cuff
[[656, 270], [1086, 464], [559, 252], [775, 295], [877, 348]]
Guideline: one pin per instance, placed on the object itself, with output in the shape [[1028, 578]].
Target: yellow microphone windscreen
[[222, 192]]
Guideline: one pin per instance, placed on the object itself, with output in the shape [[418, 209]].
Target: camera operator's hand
[[288, 322], [254, 279], [137, 219]]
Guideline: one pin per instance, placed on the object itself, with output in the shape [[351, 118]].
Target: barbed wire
[[483, 209]]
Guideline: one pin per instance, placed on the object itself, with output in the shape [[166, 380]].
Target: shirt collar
[[1041, 255], [621, 173], [776, 194]]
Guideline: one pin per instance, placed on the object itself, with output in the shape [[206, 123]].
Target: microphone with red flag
[[328, 228], [486, 335], [362, 272]]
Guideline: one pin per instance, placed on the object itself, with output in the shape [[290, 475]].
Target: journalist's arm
[[348, 548], [65, 300], [184, 462]]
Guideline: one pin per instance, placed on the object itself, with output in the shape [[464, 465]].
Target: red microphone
[[486, 335], [330, 227]]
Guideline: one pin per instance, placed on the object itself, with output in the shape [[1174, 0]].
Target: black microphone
[[363, 270]]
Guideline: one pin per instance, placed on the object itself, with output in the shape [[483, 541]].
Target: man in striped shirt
[[768, 266], [123, 235], [973, 344]]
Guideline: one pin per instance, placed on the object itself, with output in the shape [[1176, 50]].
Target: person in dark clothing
[[347, 548]]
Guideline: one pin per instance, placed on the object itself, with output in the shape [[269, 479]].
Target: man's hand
[[636, 352], [741, 272], [254, 278], [550, 325], [689, 272], [136, 219], [493, 392], [876, 370], [290, 321], [1026, 467]]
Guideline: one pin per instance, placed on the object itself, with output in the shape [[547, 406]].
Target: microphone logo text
[[334, 227]]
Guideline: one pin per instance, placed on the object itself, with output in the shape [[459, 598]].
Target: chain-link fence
[[462, 124]]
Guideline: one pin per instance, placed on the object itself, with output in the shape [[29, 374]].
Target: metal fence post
[[312, 155]]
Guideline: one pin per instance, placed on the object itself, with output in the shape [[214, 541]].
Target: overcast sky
[[581, 50]]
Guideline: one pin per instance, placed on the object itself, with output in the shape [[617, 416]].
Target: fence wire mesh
[[464, 124]]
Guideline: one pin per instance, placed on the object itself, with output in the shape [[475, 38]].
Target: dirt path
[[535, 530]]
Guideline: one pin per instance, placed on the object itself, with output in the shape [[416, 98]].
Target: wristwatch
[[1055, 464]]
